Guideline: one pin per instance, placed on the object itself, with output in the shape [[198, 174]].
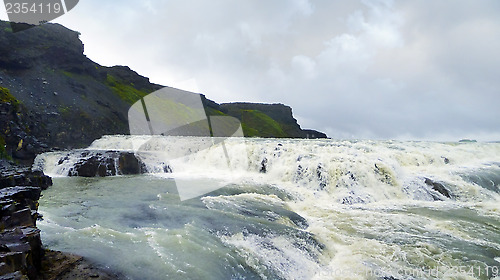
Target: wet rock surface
[[438, 187], [20, 243], [102, 164], [63, 266], [14, 176]]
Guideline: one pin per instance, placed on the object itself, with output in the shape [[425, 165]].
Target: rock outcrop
[[68, 99], [89, 163], [17, 130], [63, 266], [20, 244]]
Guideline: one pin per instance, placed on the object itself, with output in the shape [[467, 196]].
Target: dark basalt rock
[[166, 169], [21, 252], [16, 131], [129, 164], [20, 193], [20, 244], [263, 166], [19, 206], [95, 166], [322, 176], [352, 199], [103, 164], [16, 176], [440, 188], [59, 265]]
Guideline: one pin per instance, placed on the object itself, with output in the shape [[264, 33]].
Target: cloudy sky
[[372, 69]]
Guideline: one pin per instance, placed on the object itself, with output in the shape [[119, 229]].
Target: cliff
[[54, 97], [68, 98], [268, 120]]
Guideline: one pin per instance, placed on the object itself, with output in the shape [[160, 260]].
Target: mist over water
[[286, 209]]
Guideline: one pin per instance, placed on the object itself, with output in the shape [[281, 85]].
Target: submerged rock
[[440, 188], [263, 166], [59, 265], [322, 176]]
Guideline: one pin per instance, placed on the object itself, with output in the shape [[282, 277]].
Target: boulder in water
[[94, 166], [440, 188], [263, 166], [103, 164], [129, 164]]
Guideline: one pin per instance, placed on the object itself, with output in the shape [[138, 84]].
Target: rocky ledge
[[21, 252], [20, 244]]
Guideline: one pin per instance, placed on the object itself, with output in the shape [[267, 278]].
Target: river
[[282, 209]]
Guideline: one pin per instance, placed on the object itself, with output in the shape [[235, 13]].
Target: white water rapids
[[286, 209]]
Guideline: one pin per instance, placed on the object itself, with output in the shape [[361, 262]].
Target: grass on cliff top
[[254, 123], [257, 124], [126, 92]]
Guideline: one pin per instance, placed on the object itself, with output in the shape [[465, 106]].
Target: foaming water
[[286, 209]]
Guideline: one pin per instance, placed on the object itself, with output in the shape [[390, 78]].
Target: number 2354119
[[33, 8]]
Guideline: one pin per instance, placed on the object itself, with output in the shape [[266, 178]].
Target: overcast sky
[[354, 69]]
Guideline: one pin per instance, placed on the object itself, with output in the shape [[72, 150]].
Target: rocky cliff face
[[71, 100], [17, 128], [62, 99], [20, 244]]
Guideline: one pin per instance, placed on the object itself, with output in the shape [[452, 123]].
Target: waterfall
[[349, 172]]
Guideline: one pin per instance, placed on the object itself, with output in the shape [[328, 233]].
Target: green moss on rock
[[7, 97]]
